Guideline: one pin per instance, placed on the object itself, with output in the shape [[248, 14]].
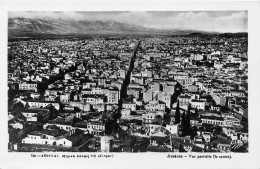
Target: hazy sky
[[220, 21]]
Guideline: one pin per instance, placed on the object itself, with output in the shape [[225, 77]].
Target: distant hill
[[26, 27], [49, 27], [234, 35]]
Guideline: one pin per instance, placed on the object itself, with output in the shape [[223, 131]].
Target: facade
[[199, 104], [131, 106], [46, 137], [36, 115], [28, 86], [155, 106], [213, 120], [220, 100], [40, 104], [106, 143], [174, 129]]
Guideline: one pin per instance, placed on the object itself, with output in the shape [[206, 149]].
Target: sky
[[217, 21]]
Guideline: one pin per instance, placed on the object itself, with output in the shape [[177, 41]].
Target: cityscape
[[106, 84]]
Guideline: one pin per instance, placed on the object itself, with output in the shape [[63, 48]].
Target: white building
[[173, 129], [41, 104], [28, 86], [131, 106], [47, 137], [36, 115], [96, 128], [213, 120], [106, 143], [155, 106], [199, 104]]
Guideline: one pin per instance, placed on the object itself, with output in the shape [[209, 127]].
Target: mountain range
[[27, 26]]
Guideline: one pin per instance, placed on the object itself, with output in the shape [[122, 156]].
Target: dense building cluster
[[116, 94]]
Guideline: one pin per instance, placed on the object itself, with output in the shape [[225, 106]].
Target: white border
[[135, 160]]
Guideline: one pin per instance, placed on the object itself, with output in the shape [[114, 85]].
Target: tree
[[193, 132], [109, 126], [196, 113], [167, 118], [186, 123], [52, 112], [18, 105], [132, 142], [159, 119], [244, 120], [74, 121], [183, 124], [177, 113], [224, 109], [181, 149], [217, 130], [76, 109], [188, 120]]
